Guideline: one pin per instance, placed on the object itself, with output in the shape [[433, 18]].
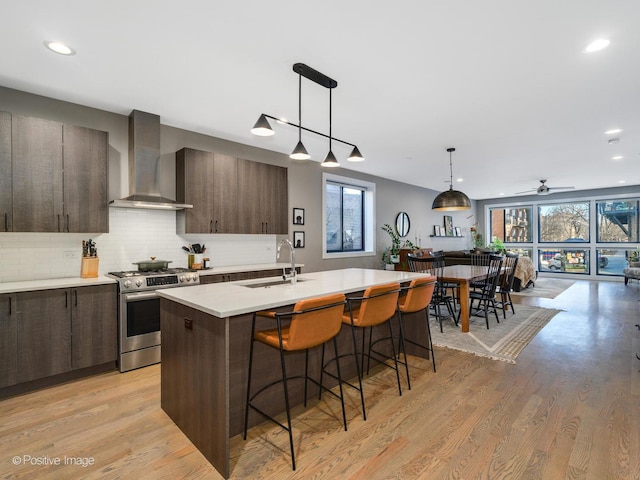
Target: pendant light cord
[[300, 107], [330, 120], [450, 172]]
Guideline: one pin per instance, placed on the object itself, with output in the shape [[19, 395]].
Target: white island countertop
[[227, 299]]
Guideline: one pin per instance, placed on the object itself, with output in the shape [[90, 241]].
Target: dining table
[[463, 275]]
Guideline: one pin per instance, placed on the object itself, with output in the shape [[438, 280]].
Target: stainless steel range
[[139, 312]]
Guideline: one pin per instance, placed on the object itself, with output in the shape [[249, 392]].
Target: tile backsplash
[[133, 235]]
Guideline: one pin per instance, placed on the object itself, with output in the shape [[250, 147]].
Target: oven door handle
[[133, 297]]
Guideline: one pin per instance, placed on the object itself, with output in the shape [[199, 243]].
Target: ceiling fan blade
[[561, 188], [526, 191]]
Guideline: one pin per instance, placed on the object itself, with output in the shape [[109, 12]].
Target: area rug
[[546, 288], [502, 341]]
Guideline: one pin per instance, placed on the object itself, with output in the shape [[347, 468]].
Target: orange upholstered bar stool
[[313, 322], [376, 306], [418, 297]]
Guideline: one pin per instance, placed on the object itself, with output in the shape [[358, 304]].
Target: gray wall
[[305, 179]]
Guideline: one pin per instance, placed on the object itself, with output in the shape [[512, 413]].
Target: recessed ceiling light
[[597, 45], [612, 131], [501, 194], [622, 181], [459, 179], [617, 157], [60, 48]]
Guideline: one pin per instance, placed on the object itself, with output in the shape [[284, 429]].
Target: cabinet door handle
[[9, 304], [66, 299], [68, 225], [210, 226], [6, 221], [216, 229], [266, 227], [75, 293]]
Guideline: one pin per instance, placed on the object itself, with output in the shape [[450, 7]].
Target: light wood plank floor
[[570, 408]]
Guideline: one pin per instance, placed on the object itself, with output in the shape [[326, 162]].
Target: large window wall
[[580, 237]]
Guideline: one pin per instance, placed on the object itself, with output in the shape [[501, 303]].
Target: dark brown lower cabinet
[[232, 277], [44, 333], [48, 332], [93, 326], [8, 341]]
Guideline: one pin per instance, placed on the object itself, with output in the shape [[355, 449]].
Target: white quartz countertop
[[246, 268], [69, 282], [235, 298]]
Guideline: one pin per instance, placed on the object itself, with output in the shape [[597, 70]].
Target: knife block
[[89, 267]]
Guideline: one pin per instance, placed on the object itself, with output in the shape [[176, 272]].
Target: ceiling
[[507, 83]]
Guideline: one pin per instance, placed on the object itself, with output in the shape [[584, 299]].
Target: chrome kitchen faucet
[[292, 274]]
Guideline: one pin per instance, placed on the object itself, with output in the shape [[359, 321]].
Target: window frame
[[369, 213]]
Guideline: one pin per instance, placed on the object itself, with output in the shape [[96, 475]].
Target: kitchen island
[[206, 332]]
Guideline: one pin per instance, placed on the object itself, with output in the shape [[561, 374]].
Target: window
[[511, 225], [617, 221], [564, 260], [564, 222], [345, 218], [348, 216]]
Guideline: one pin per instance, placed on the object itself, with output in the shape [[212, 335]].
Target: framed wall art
[[298, 239], [448, 226], [298, 216]]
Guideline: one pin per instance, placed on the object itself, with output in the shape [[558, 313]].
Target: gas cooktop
[[137, 273]]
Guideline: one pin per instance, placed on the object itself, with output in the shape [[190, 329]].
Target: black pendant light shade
[[299, 153], [262, 127], [451, 200], [330, 160], [355, 156]]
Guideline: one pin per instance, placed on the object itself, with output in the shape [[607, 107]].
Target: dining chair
[[313, 322], [434, 266], [486, 294], [505, 285], [452, 286], [479, 260]]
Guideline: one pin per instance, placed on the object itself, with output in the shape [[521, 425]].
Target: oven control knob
[[194, 276], [139, 282], [182, 279], [127, 283]]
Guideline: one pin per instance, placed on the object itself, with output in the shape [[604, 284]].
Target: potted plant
[[391, 255], [393, 252], [498, 246]]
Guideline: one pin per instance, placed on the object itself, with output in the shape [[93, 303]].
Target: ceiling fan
[[543, 189]]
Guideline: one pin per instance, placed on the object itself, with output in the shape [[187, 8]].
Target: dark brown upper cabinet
[[262, 198], [53, 176], [230, 195], [6, 202], [208, 181]]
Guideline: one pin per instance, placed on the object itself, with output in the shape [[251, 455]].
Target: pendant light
[[451, 200], [330, 160], [263, 128], [300, 153]]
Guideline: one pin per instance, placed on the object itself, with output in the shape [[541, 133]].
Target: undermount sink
[[272, 283]]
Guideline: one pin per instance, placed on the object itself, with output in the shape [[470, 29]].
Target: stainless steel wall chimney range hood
[[144, 158]]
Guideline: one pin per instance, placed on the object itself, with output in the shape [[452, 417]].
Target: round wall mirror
[[403, 224]]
